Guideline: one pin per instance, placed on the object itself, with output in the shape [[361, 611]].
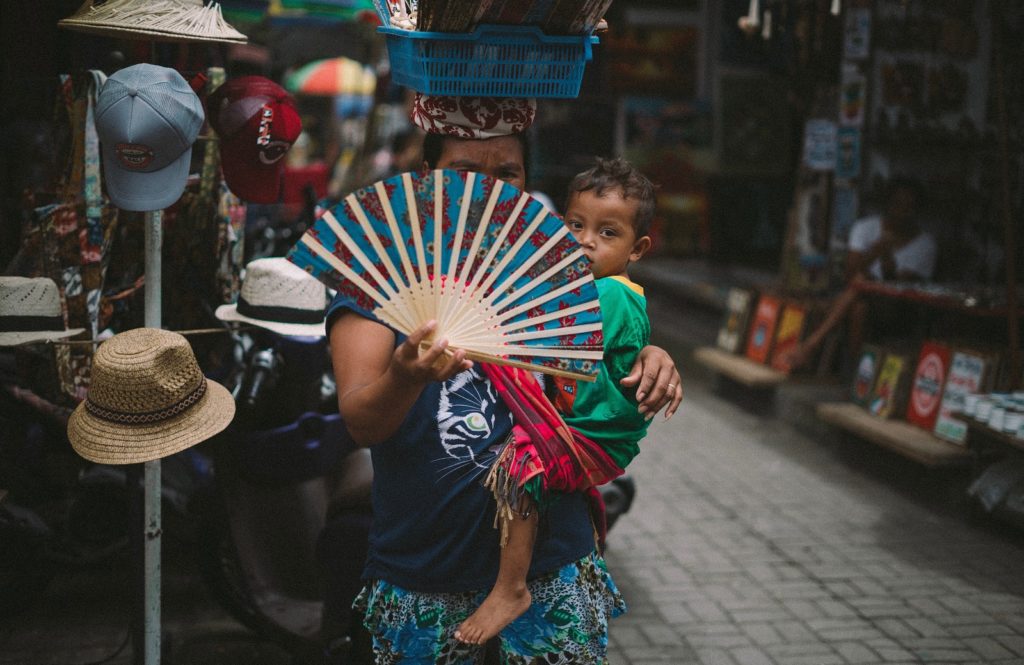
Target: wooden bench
[[738, 368], [896, 435]]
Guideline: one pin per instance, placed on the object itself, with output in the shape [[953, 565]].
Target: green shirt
[[605, 411]]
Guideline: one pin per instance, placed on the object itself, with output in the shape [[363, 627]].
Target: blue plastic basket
[[491, 61]]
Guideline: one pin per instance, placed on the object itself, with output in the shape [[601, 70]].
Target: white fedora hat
[[281, 297], [30, 311]]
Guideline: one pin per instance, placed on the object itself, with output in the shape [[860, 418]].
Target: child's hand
[[431, 364]]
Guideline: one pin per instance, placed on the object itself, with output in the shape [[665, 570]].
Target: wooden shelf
[[899, 436], [981, 432], [738, 368]]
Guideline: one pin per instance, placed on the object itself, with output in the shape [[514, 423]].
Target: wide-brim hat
[[281, 297], [30, 311], [154, 20], [147, 399]]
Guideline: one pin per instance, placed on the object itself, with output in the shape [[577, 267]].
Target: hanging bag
[[69, 240]]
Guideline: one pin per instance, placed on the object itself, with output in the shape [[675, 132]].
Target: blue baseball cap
[[147, 118]]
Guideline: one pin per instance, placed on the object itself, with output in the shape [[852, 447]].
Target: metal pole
[[151, 494]]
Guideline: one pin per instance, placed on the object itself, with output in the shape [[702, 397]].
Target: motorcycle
[[284, 525]]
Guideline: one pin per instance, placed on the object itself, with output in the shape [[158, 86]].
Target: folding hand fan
[[501, 275]]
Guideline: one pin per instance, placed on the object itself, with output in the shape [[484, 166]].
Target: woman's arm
[[377, 382], [657, 380]]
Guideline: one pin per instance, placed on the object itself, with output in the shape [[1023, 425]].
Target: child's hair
[[617, 173]]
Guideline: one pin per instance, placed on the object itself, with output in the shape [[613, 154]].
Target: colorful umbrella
[[332, 77]]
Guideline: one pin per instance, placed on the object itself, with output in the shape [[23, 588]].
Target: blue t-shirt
[[433, 520]]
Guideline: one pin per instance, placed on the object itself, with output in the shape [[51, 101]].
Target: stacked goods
[[889, 396], [1002, 412], [865, 375], [928, 383], [733, 331], [554, 17], [788, 336], [495, 48], [967, 374], [762, 329]]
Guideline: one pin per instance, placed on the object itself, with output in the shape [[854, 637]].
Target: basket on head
[[147, 399], [156, 20]]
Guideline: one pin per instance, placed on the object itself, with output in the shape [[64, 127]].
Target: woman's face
[[500, 157]]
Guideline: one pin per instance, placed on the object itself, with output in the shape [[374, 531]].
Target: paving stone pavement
[[750, 544]]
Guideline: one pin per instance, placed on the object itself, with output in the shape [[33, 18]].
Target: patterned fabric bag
[[69, 241]]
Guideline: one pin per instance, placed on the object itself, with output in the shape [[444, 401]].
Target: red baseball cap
[[257, 123]]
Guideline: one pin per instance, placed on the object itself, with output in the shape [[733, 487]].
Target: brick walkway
[[749, 544]]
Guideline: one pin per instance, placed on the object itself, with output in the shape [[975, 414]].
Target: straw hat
[[281, 297], [30, 311], [147, 399], [157, 20]]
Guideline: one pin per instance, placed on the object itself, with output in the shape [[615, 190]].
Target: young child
[[609, 211]]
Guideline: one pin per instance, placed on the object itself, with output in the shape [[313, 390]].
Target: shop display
[[789, 334], [889, 396], [732, 334], [503, 278], [865, 374], [929, 380], [762, 328], [1000, 412], [967, 375]]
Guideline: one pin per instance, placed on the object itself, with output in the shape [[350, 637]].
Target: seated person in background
[[890, 246]]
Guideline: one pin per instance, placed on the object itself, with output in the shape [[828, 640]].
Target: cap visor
[[145, 191], [256, 183]]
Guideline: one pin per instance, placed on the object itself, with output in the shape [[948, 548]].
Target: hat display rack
[[182, 21]]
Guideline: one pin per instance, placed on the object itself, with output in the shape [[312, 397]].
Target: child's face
[[603, 225]]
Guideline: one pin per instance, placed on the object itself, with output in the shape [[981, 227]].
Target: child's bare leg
[[509, 598]]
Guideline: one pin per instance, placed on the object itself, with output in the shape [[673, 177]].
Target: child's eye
[[608, 233], [574, 225]]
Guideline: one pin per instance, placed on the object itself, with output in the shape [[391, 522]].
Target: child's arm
[[377, 382]]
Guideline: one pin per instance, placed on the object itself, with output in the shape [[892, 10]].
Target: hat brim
[[255, 184], [230, 313], [144, 191], [28, 337], [105, 442]]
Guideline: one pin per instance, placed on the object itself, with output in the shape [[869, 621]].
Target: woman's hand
[[657, 380], [378, 382], [409, 363]]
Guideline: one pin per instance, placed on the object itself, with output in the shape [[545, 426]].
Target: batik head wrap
[[473, 117]]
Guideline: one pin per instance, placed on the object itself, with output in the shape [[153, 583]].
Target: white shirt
[[917, 256]]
